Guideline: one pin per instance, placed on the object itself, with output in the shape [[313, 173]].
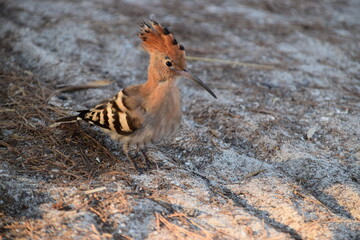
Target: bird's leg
[[140, 150], [145, 158], [126, 151]]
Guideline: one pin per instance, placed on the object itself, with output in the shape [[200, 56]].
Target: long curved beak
[[186, 74]]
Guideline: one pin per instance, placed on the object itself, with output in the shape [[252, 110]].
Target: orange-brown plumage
[[157, 39]]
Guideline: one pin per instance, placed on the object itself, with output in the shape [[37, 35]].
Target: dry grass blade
[[5, 144], [178, 230], [230, 62], [262, 110], [106, 204], [94, 84], [252, 174], [53, 152], [3, 110], [99, 189]]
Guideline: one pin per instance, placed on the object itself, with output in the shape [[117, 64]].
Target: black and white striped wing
[[115, 115]]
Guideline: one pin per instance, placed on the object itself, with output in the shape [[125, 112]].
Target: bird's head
[[167, 56]]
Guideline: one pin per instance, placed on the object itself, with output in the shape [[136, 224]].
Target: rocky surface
[[276, 156]]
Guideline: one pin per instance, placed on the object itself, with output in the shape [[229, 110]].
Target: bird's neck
[[158, 79], [158, 87]]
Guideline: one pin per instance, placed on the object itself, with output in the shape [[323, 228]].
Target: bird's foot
[[134, 158], [149, 164]]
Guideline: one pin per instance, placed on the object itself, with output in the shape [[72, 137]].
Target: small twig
[[101, 216], [178, 229], [95, 84], [9, 146], [264, 111], [7, 110], [234, 63], [252, 174], [99, 189]]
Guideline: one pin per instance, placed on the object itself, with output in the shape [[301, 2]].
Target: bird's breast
[[167, 117], [159, 122]]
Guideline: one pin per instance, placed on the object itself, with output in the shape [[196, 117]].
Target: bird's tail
[[67, 119], [70, 119]]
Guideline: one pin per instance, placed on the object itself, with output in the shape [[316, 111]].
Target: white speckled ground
[[241, 166]]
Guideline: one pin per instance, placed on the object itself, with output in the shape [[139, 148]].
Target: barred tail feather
[[82, 114], [70, 119], [67, 119]]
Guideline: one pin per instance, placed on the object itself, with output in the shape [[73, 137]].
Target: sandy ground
[[276, 156]]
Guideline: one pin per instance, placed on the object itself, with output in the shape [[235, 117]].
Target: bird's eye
[[168, 63]]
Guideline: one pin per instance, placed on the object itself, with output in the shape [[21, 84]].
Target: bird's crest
[[158, 39]]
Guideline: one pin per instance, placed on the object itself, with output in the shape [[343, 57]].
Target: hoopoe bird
[[148, 112]]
